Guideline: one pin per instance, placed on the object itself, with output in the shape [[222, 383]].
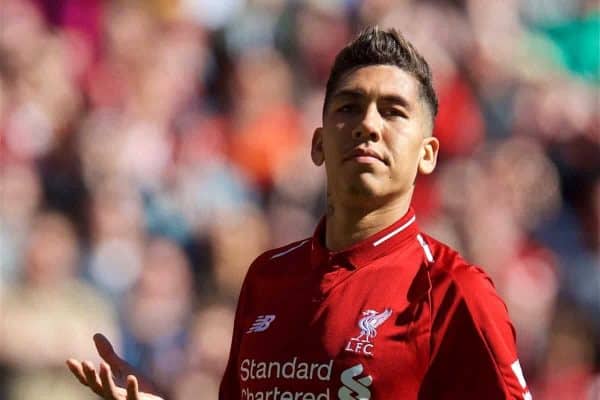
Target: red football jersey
[[396, 316]]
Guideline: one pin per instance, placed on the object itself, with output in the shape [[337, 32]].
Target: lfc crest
[[368, 329]]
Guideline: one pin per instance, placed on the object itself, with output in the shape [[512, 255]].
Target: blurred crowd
[[150, 149]]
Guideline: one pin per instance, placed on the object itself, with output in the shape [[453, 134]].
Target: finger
[[93, 381], [106, 350], [132, 388], [77, 369], [118, 366], [108, 384]]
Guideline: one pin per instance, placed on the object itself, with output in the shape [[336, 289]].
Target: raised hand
[[102, 382]]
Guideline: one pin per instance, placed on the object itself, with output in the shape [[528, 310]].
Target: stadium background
[[150, 150]]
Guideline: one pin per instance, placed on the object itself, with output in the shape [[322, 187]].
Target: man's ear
[[316, 150], [429, 154]]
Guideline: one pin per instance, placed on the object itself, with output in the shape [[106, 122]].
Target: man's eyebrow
[[396, 99], [349, 93], [357, 93]]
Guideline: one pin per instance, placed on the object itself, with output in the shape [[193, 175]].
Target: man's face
[[375, 135]]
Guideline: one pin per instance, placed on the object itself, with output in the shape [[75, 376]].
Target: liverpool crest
[[368, 329]]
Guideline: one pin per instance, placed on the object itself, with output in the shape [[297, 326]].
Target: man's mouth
[[364, 156]]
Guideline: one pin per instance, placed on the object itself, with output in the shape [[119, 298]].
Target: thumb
[[106, 351]]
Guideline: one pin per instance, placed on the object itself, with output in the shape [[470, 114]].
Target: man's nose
[[370, 125]]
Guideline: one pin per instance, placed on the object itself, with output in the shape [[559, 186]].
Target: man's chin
[[366, 187], [363, 187]]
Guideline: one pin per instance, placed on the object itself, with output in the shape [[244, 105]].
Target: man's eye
[[347, 108], [394, 112]]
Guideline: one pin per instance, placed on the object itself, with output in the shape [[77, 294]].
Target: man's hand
[[102, 382]]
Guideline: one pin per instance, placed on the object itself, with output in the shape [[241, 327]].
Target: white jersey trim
[[283, 253], [425, 247], [394, 232]]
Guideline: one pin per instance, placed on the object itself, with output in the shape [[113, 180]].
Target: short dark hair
[[374, 46]]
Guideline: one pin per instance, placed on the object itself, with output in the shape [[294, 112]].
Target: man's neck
[[348, 225]]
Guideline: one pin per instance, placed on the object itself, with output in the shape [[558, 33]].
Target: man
[[369, 307]]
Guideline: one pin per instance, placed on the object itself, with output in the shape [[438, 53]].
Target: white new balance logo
[[262, 323], [355, 389]]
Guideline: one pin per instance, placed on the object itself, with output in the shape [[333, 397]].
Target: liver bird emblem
[[369, 323]]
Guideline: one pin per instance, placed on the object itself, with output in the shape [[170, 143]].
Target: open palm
[[102, 382]]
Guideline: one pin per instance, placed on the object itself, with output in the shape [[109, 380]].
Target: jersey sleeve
[[230, 385], [473, 346]]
